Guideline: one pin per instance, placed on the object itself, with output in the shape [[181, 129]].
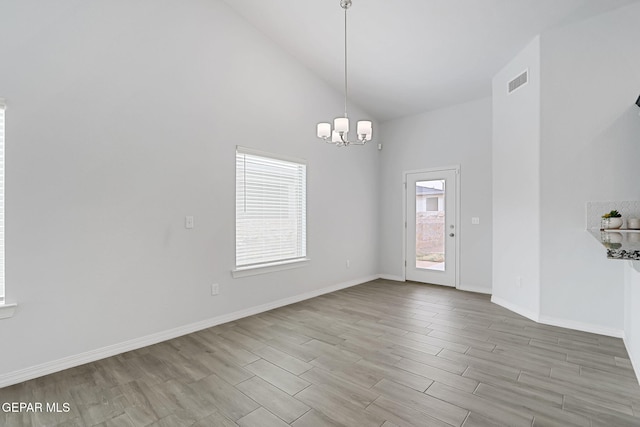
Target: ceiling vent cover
[[519, 81]]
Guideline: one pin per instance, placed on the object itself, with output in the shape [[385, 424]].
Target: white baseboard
[[391, 277], [635, 366], [477, 289], [580, 326], [554, 321], [101, 353], [529, 314]]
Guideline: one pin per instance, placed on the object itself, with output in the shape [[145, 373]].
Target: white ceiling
[[410, 56]]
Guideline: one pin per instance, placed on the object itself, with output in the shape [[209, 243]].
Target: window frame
[[3, 108], [6, 309], [299, 260]]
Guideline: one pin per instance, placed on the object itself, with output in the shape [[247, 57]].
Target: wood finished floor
[[378, 354]]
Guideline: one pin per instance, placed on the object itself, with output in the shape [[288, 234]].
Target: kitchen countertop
[[620, 243]]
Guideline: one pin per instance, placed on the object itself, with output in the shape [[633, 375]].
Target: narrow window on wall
[[271, 212], [2, 108]]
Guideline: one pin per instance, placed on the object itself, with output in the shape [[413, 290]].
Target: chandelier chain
[[345, 62]]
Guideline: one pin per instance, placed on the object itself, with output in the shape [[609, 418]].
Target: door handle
[[451, 234]]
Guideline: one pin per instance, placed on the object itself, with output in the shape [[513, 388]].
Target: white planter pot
[[614, 223]]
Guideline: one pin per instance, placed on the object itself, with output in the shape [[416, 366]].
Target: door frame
[[456, 169]]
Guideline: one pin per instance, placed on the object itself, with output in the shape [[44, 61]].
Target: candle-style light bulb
[[324, 130], [341, 124]]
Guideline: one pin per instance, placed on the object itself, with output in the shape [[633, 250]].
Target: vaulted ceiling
[[410, 56]]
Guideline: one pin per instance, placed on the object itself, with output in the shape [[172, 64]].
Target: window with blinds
[[271, 209], [2, 108]]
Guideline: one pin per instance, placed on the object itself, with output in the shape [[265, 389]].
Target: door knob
[[451, 234]]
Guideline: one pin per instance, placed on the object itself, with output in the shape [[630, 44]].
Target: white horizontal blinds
[[2, 108], [270, 209]]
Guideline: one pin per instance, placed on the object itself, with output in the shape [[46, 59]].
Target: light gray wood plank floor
[[379, 354]]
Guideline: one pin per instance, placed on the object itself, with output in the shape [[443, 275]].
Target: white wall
[[590, 152], [516, 188], [458, 135], [632, 312], [122, 118]]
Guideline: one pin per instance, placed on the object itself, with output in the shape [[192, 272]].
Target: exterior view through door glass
[[430, 224], [431, 227]]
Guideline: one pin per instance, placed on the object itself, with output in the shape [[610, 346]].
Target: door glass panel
[[430, 225]]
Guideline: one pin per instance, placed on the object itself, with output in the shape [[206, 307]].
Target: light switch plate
[[188, 222], [475, 220]]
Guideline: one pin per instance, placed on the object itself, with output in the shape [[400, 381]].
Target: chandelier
[[339, 134]]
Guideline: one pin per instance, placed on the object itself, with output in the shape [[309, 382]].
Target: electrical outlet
[[215, 289], [475, 220]]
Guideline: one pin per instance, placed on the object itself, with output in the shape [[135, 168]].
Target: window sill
[[268, 268], [7, 310]]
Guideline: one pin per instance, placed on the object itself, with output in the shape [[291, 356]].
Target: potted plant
[[611, 220]]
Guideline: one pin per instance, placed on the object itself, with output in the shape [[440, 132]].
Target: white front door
[[431, 227]]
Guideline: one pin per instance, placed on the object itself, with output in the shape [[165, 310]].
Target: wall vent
[[519, 81]]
